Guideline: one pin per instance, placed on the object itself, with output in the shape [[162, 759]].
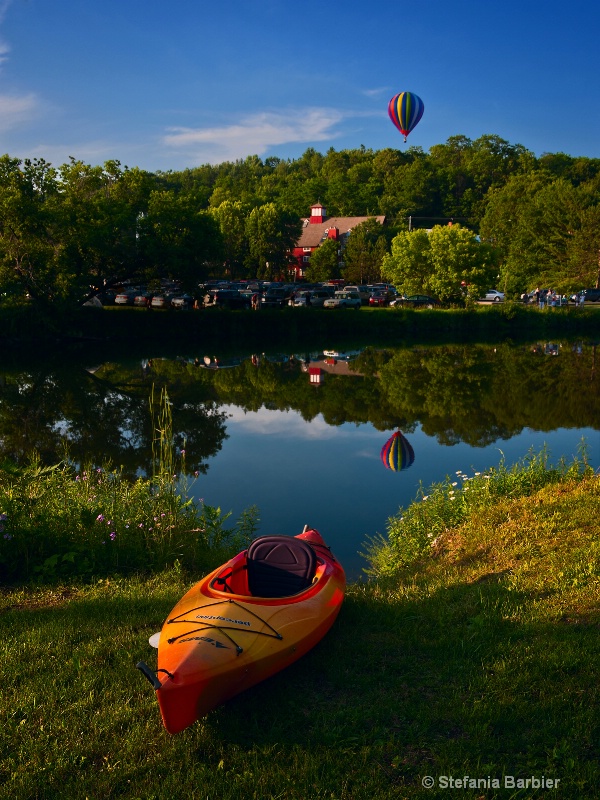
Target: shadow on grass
[[457, 680]]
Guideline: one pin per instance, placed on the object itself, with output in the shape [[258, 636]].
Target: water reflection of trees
[[474, 394], [103, 417]]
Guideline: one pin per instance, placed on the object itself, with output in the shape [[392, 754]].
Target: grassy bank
[[305, 327], [476, 655]]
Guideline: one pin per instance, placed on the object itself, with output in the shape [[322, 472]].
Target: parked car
[[299, 300], [362, 290], [124, 299], [494, 296], [276, 297], [161, 301], [310, 297], [181, 301], [591, 295], [226, 298], [142, 298], [380, 299], [416, 301], [343, 300]]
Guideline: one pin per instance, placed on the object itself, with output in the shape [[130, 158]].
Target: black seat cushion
[[279, 566]]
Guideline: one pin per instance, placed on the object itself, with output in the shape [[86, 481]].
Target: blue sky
[[171, 84]]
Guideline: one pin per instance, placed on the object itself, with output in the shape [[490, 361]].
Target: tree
[[28, 241], [408, 265], [177, 240], [324, 262], [439, 262], [364, 252], [98, 221], [231, 218], [271, 235]]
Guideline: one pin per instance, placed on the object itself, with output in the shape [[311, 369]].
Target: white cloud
[[255, 134], [271, 422], [15, 110]]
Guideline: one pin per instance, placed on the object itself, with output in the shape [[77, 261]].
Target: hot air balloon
[[397, 453], [405, 110]]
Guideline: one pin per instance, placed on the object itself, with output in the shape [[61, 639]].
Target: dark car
[[276, 298], [226, 298], [416, 301], [591, 295]]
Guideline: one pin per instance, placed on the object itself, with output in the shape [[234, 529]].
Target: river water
[[300, 435]]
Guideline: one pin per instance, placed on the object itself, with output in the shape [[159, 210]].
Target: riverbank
[[478, 657], [114, 327]]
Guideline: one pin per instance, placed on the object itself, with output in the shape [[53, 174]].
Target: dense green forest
[[72, 231]]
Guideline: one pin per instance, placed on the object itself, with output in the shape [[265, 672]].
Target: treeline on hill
[[69, 232]]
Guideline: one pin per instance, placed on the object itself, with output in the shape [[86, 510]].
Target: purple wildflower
[[100, 518]]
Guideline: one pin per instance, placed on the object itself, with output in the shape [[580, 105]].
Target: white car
[[494, 296], [343, 300]]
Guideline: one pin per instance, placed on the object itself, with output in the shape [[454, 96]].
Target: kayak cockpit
[[272, 566]]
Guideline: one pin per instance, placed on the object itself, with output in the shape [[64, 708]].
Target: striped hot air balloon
[[405, 110], [397, 453]]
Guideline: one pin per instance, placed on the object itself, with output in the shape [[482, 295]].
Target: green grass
[[477, 656], [70, 520]]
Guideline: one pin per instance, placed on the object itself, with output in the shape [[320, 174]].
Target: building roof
[[313, 233]]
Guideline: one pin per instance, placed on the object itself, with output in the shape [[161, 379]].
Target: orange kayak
[[242, 623]]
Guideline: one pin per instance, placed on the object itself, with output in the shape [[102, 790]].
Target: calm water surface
[[259, 433], [332, 478]]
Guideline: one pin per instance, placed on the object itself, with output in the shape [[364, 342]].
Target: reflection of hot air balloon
[[397, 453], [405, 110]]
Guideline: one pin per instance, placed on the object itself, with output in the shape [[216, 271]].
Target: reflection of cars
[[226, 298], [494, 296], [417, 300], [343, 300]]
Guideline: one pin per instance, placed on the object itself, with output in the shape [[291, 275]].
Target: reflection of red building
[[316, 229]]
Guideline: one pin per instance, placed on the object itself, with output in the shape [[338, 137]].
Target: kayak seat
[[280, 566]]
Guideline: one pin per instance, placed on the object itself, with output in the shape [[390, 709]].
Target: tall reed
[[87, 520]]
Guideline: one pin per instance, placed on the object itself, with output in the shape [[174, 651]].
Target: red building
[[316, 229]]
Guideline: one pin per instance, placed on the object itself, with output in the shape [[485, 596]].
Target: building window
[[305, 259]]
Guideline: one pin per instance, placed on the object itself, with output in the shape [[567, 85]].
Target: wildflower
[[196, 473], [455, 483], [141, 525], [77, 478], [182, 452], [7, 536], [100, 518], [425, 496], [113, 535]]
